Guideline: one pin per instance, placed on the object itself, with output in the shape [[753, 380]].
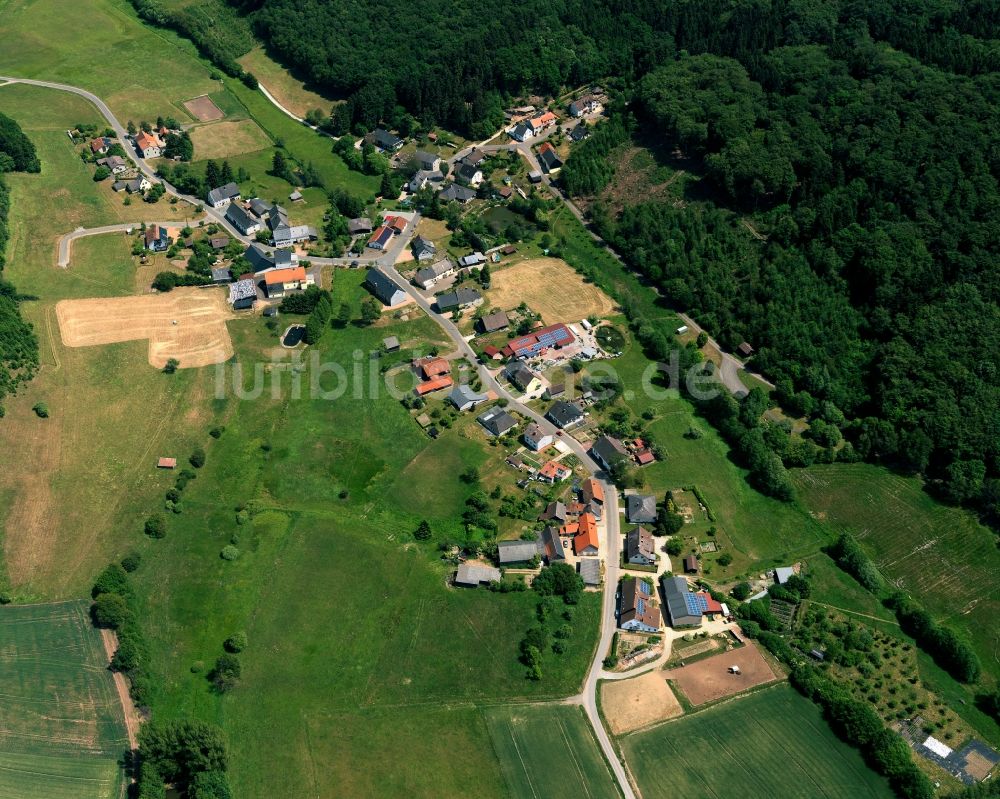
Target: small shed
[[745, 349], [691, 564], [391, 344], [166, 463]]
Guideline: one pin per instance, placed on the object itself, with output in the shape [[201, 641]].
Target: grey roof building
[[564, 414], [429, 275], [261, 260], [458, 193], [590, 570], [518, 373], [607, 450], [473, 574], [360, 225], [241, 219], [427, 161], [579, 133], [221, 276], [461, 298], [679, 613], [384, 287], [423, 249], [517, 551], [384, 140], [492, 322], [497, 421], [469, 173], [639, 547], [552, 545], [221, 195], [549, 160], [554, 511], [463, 397], [259, 207], [285, 235], [242, 294], [640, 508], [472, 259]]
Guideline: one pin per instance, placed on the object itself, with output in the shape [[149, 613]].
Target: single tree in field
[[370, 311], [423, 531], [171, 366]]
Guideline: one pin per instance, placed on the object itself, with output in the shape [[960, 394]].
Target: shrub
[[171, 366], [110, 611], [725, 559], [236, 643], [112, 580], [156, 526], [131, 562], [226, 673], [197, 458], [41, 410], [216, 432], [229, 552]]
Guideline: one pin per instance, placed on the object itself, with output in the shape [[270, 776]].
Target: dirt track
[[709, 679], [199, 338]]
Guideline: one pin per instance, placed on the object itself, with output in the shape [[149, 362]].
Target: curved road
[[612, 556]]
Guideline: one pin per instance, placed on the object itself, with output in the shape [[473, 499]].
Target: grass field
[[288, 91], [772, 743], [229, 137], [550, 287], [941, 555], [61, 727], [549, 752]]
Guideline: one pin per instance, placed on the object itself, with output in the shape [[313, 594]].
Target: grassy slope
[[773, 743], [549, 751], [61, 723]]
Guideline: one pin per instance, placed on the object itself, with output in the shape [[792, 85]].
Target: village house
[[380, 238], [434, 384], [156, 239], [464, 398], [684, 608], [455, 192], [592, 492], [518, 373], [469, 174], [472, 259], [100, 145], [588, 104], [458, 299], [262, 260], [472, 575], [241, 219], [426, 278], [384, 288], [535, 438], [638, 610], [115, 163], [432, 366], [492, 322], [137, 185], [277, 282], [553, 472], [148, 145], [555, 511], [242, 294], [218, 242], [564, 415], [427, 162], [287, 235], [359, 225], [423, 178], [552, 545], [640, 508], [497, 421], [585, 542], [423, 249], [607, 451], [223, 195], [640, 549], [542, 122], [549, 159], [551, 337], [579, 133], [384, 140]]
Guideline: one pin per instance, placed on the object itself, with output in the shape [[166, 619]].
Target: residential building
[[242, 294], [522, 131], [156, 239], [384, 140], [640, 508], [640, 549], [277, 282], [553, 472], [564, 415], [491, 352], [137, 185], [474, 158], [423, 178], [432, 366], [585, 542], [497, 421], [592, 492], [474, 574], [241, 219], [429, 275], [469, 174], [360, 225], [434, 384], [492, 322], [579, 133], [552, 545], [588, 104], [607, 451], [472, 259], [554, 512], [148, 145], [518, 373], [542, 122], [549, 159], [287, 235], [457, 193], [535, 438], [464, 398], [428, 162], [638, 609], [100, 145], [423, 249], [380, 238], [458, 299], [262, 260], [396, 223], [115, 163], [517, 551], [259, 208], [223, 195], [218, 242], [384, 288], [551, 337]]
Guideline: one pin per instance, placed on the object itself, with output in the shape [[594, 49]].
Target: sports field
[[61, 727], [942, 555], [549, 752], [772, 743], [550, 287]]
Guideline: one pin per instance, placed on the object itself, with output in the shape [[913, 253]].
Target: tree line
[[18, 343]]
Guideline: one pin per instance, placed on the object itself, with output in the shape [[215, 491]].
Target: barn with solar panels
[[638, 610], [679, 612], [552, 337]]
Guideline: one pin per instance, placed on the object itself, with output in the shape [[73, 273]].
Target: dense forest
[[18, 345]]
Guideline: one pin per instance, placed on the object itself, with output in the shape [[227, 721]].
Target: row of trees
[[18, 343]]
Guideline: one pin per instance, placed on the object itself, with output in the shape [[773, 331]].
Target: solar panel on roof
[[640, 607], [695, 603]]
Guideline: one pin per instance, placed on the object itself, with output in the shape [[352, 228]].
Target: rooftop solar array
[[696, 603]]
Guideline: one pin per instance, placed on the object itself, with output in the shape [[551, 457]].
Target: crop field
[[549, 752], [941, 555], [61, 727], [551, 288], [231, 137], [772, 743]]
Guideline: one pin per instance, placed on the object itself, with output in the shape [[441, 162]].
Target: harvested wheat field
[[638, 702], [710, 679], [203, 109], [199, 337], [551, 288], [223, 139]]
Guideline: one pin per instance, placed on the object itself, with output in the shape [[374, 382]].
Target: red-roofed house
[[585, 542], [278, 281], [592, 491], [148, 145], [542, 121], [492, 352], [644, 458], [553, 336], [436, 384], [432, 366], [553, 472]]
